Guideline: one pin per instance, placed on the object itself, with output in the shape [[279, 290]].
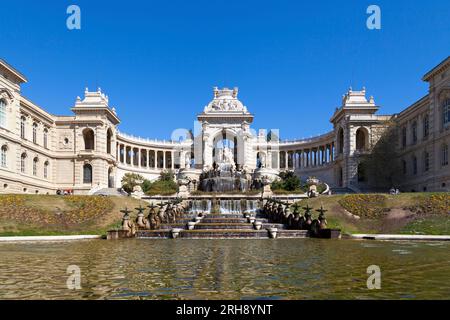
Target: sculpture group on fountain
[[278, 212], [169, 212]]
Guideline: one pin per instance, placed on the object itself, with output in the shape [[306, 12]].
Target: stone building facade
[[85, 152]]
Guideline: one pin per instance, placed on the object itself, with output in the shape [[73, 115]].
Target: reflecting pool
[[225, 269]]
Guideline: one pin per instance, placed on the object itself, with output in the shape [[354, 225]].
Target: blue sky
[[159, 60]]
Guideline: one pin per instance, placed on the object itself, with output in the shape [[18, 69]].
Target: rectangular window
[[446, 112], [426, 161], [414, 165], [426, 126], [414, 133], [404, 137], [2, 113], [444, 156], [3, 157]]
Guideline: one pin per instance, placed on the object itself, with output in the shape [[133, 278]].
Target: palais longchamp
[[85, 153]]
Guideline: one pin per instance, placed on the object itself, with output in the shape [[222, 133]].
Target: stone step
[[153, 234], [220, 215], [341, 190], [224, 234], [210, 226], [224, 220], [279, 226], [286, 234], [221, 234], [170, 226]]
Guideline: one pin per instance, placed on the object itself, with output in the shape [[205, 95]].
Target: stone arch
[[237, 139], [261, 159], [89, 139], [362, 139]]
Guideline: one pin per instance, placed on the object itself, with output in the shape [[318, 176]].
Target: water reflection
[[225, 269]]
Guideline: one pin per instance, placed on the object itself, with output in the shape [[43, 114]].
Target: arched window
[[45, 138], [404, 166], [108, 141], [35, 126], [89, 140], [444, 155], [446, 112], [35, 163], [46, 164], [23, 121], [3, 157], [2, 113], [87, 173], [426, 126], [360, 139], [23, 158], [341, 140]]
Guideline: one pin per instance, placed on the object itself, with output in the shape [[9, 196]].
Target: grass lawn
[[27, 215], [409, 213]]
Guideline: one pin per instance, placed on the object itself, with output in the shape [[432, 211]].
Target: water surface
[[225, 269]]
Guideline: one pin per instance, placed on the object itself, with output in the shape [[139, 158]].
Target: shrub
[[130, 180], [288, 182], [164, 186], [365, 205]]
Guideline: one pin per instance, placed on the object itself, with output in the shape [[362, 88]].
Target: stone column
[[286, 161], [139, 157], [131, 156], [164, 160], [172, 162]]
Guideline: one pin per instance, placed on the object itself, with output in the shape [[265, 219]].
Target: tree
[[130, 180], [288, 181], [382, 165]]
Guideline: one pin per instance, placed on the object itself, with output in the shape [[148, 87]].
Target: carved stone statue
[[187, 161], [127, 224]]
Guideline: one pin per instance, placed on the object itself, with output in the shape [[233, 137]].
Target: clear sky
[[159, 60]]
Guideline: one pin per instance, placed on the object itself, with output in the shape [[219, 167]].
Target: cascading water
[[238, 206], [230, 206], [200, 206], [251, 206]]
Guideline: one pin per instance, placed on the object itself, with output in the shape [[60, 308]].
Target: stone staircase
[[341, 191], [110, 192], [222, 226]]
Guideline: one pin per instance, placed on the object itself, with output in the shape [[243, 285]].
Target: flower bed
[[77, 209], [431, 204], [365, 205]]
